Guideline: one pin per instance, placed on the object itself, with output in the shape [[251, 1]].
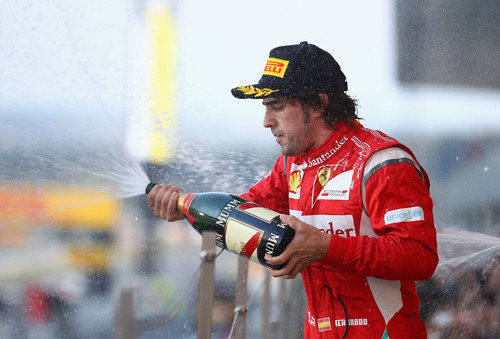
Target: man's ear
[[319, 111], [324, 99]]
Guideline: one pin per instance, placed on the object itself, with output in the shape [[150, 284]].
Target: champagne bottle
[[243, 227]]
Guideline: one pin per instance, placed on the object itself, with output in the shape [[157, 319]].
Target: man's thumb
[[289, 220]]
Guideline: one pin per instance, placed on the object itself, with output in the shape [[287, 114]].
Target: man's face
[[290, 124]]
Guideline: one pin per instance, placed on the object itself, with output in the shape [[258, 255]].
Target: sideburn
[[306, 115]]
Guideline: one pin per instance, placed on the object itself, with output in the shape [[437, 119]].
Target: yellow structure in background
[[81, 208], [68, 207], [90, 257], [88, 214], [163, 123]]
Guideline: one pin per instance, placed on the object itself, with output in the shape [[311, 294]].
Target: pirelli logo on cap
[[276, 67]]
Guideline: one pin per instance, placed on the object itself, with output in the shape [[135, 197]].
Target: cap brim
[[253, 92]]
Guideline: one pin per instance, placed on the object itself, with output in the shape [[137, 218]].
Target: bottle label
[[258, 212], [243, 239], [248, 229]]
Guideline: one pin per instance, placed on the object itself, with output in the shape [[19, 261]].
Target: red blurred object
[[37, 306]]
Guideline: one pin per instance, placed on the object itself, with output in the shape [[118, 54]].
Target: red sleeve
[[399, 206], [272, 190]]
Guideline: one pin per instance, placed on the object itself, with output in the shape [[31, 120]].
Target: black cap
[[296, 70]]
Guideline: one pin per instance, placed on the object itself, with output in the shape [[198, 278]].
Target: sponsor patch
[[276, 67], [342, 231], [341, 225], [324, 324], [294, 181], [324, 175], [404, 215], [328, 154], [352, 322], [338, 187]]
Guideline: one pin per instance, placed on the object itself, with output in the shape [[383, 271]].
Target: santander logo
[[328, 154], [342, 232], [341, 225]]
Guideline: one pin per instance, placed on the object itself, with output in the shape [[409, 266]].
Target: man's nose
[[269, 121]]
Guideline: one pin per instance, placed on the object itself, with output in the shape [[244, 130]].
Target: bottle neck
[[180, 202]]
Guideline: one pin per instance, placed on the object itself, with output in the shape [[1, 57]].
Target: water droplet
[[457, 158], [486, 169]]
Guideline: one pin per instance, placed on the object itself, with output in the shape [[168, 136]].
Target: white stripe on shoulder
[[381, 158], [385, 154]]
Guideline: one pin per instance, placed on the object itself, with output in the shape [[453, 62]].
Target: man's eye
[[277, 107]]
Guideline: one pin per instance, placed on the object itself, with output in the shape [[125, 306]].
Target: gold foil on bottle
[[180, 202]]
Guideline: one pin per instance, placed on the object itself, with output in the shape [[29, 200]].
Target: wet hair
[[341, 107]]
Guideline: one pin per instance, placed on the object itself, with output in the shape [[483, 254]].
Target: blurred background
[[97, 95]]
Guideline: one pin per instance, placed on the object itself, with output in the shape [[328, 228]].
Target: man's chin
[[289, 152]]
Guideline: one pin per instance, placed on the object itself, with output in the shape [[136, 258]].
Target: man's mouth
[[279, 137]]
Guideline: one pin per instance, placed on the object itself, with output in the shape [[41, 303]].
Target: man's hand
[[308, 245], [163, 202]]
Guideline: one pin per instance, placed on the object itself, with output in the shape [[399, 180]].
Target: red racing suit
[[368, 192]]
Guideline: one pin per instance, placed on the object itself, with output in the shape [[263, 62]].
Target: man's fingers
[[290, 271], [163, 208], [162, 201], [172, 213], [290, 220], [286, 270], [158, 199], [280, 259], [297, 255], [152, 196], [298, 269], [289, 250]]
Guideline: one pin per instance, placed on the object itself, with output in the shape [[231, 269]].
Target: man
[[358, 200]]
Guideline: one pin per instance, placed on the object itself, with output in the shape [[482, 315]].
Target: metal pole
[[297, 308], [266, 307], [207, 285], [283, 309], [241, 307], [125, 328]]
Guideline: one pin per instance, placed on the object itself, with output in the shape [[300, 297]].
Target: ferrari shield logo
[[324, 175]]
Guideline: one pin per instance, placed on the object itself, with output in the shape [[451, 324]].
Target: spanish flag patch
[[324, 324]]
